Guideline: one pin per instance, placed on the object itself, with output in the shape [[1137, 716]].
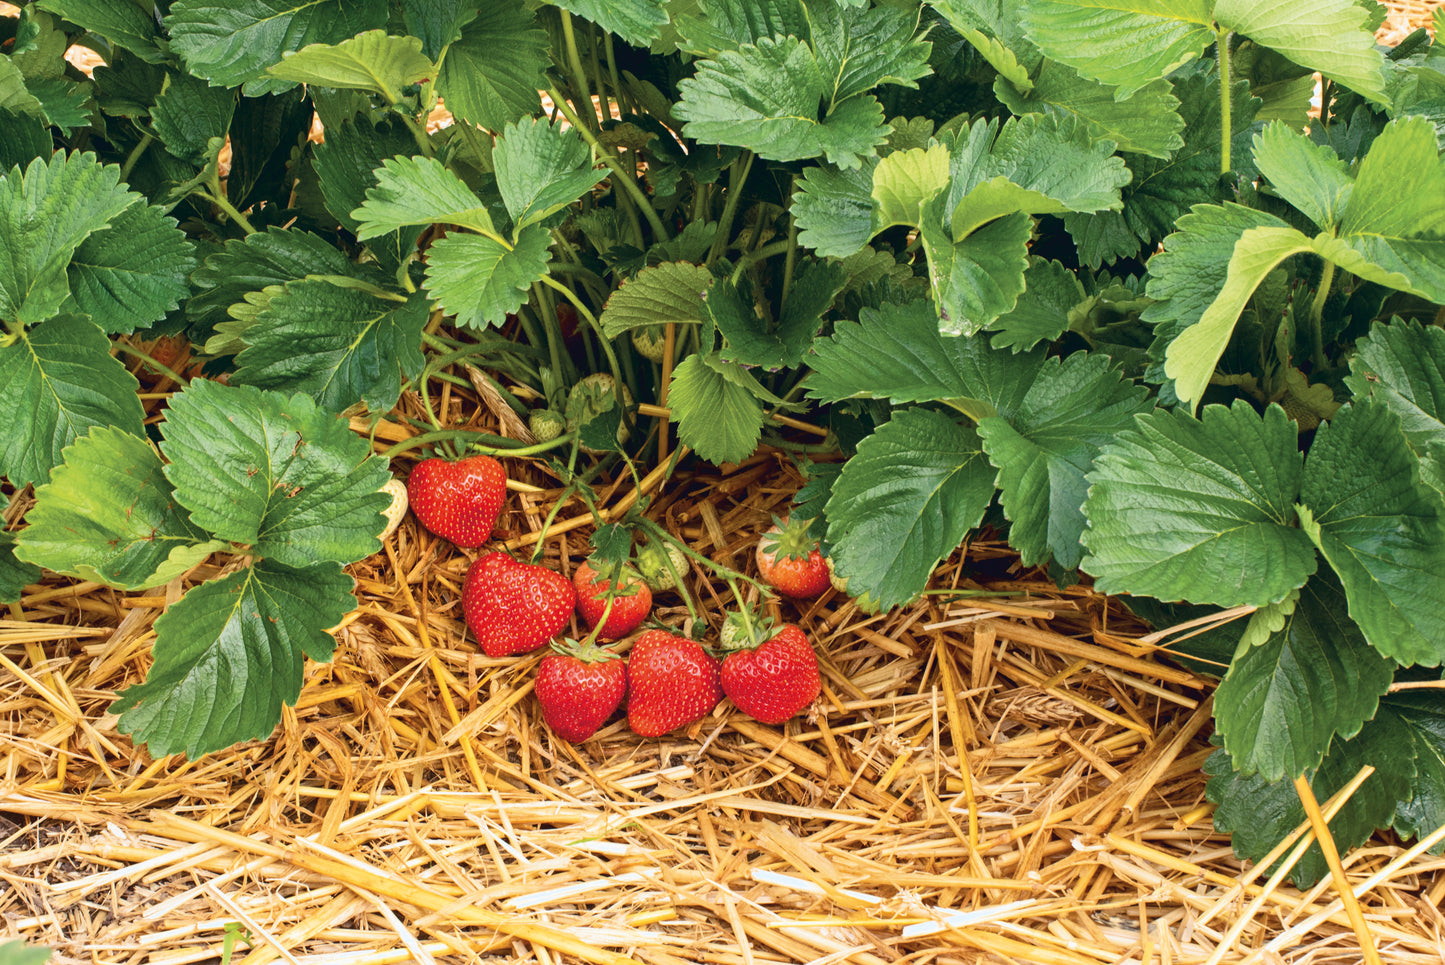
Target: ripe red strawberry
[[672, 682], [458, 501], [774, 680], [514, 607], [579, 686], [789, 561], [631, 601]]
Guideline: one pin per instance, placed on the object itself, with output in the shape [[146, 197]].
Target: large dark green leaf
[[904, 502], [131, 274], [1313, 678], [1202, 509], [273, 472], [228, 656], [492, 74], [340, 345], [1046, 445], [1381, 528], [107, 515], [1403, 365], [59, 379]]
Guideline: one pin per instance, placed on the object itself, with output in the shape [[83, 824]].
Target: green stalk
[[616, 77], [1226, 106], [579, 75], [790, 264], [628, 182], [134, 156], [1317, 314], [737, 175]]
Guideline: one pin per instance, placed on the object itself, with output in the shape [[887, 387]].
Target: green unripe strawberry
[[546, 424], [650, 342], [661, 565]]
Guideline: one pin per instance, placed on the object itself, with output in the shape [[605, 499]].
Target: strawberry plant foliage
[[1097, 276]]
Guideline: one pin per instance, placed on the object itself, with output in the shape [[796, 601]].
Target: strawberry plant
[[1111, 282]]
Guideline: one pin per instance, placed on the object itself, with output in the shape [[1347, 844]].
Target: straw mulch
[[1005, 777]]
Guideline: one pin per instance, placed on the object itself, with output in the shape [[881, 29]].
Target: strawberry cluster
[[667, 681]]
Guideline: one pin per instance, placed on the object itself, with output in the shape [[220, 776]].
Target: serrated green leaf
[[437, 23], [23, 138], [1181, 508], [636, 21], [1045, 446], [1331, 36], [273, 472], [1042, 311], [1127, 46], [731, 24], [896, 352], [1418, 718], [345, 164], [977, 279], [65, 103], [670, 292], [132, 273], [338, 345], [835, 210], [1146, 122], [123, 24], [1314, 677], [262, 259], [188, 113], [61, 376], [232, 42], [15, 574], [480, 280], [107, 515], [45, 214], [14, 96], [859, 48], [1259, 813], [228, 656], [1402, 364], [752, 341], [371, 61], [1381, 529], [1192, 356], [1404, 164], [418, 191], [1308, 176], [1035, 164], [542, 167], [767, 97], [717, 418], [904, 502], [39, 45], [986, 40], [904, 182], [492, 74]]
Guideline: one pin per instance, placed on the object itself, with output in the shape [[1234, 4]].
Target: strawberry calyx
[[586, 650], [789, 539], [744, 629]]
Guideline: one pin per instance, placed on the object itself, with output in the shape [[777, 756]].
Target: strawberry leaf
[[276, 473], [45, 214], [979, 278], [732, 24], [1041, 314], [132, 273], [635, 21], [1146, 122], [346, 164], [232, 42], [107, 515], [62, 376], [480, 279], [370, 61], [1381, 528], [418, 191], [1286, 697], [718, 416], [835, 209], [491, 75], [340, 345], [188, 113], [1044, 447], [541, 168], [1202, 510], [123, 24], [906, 500], [15, 574], [670, 292], [1125, 46], [1402, 364], [228, 655]]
